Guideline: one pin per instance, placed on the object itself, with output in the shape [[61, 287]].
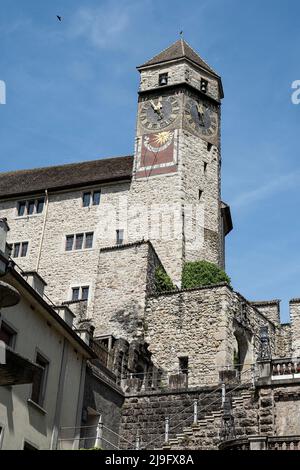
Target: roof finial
[[181, 34]]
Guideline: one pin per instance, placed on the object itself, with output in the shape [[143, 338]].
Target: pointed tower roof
[[179, 50]]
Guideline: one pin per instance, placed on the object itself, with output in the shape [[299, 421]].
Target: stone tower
[[177, 158]]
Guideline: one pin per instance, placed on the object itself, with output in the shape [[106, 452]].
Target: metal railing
[[163, 438]]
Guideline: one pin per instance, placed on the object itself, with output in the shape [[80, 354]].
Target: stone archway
[[242, 350]]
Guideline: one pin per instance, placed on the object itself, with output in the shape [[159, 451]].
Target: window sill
[[36, 406], [22, 217], [82, 250]]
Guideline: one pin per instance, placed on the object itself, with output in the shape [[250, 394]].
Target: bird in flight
[[58, 17]]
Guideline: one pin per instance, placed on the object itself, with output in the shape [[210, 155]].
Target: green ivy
[[202, 273], [162, 281]]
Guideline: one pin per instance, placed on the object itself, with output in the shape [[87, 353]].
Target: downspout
[[59, 397], [43, 231], [80, 404]]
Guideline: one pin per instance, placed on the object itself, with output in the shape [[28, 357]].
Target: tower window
[[163, 79], [80, 293], [184, 365], [79, 241], [209, 146], [19, 249], [119, 237], [91, 198], [200, 194], [203, 85], [204, 167]]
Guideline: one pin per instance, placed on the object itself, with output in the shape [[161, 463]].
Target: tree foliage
[[162, 281], [202, 273]]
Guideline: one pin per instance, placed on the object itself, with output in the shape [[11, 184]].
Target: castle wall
[[202, 324], [270, 309], [125, 275], [295, 326]]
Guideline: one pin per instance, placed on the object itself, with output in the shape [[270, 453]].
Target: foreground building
[[98, 232]]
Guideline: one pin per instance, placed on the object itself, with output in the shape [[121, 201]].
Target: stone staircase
[[205, 435]]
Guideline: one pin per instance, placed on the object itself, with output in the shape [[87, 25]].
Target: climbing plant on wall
[[202, 273]]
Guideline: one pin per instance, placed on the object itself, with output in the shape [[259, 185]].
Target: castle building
[[98, 231]]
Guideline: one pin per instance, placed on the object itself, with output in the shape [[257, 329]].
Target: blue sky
[[72, 96]]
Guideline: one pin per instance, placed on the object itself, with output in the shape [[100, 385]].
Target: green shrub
[[202, 273], [162, 281]]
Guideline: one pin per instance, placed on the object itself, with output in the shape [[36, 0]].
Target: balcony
[[16, 369]]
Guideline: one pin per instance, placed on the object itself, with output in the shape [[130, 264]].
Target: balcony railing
[[285, 369], [263, 443]]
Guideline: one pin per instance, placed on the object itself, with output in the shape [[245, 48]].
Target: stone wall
[[125, 276], [202, 324], [182, 72], [147, 413]]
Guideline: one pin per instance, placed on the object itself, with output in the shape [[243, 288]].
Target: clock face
[[201, 117], [158, 113]]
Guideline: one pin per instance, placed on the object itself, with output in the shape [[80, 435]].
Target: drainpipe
[[43, 231], [60, 396]]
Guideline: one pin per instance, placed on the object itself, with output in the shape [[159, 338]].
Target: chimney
[[4, 228], [65, 313], [295, 324], [86, 331], [35, 281]]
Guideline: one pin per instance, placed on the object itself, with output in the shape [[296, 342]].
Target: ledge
[[192, 289]]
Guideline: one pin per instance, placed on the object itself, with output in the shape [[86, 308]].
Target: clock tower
[[177, 160]]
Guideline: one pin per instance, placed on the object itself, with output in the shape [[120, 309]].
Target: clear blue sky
[[72, 96]]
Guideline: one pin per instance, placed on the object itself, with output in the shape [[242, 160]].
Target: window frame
[[118, 236], [26, 204], [74, 237], [80, 289], [44, 379], [161, 76], [91, 194], [20, 249], [11, 330]]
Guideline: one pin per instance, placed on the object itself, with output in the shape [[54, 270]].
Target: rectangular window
[[163, 79], [7, 334], [82, 241], [203, 85], [96, 198], [200, 194], [40, 205], [86, 199], [69, 242], [120, 237], [39, 384], [184, 365], [21, 208], [16, 250], [30, 207], [85, 293], [24, 249], [75, 293], [89, 240], [79, 241]]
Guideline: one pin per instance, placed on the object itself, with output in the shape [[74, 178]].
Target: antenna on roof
[[181, 34]]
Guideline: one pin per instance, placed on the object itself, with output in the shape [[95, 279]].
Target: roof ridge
[[207, 65], [39, 168], [166, 48]]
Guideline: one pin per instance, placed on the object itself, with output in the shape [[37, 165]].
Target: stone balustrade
[[285, 368]]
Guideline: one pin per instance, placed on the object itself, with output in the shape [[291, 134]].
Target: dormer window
[[203, 85], [163, 79]]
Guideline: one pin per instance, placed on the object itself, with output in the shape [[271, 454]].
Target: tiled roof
[[65, 176], [180, 49]]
